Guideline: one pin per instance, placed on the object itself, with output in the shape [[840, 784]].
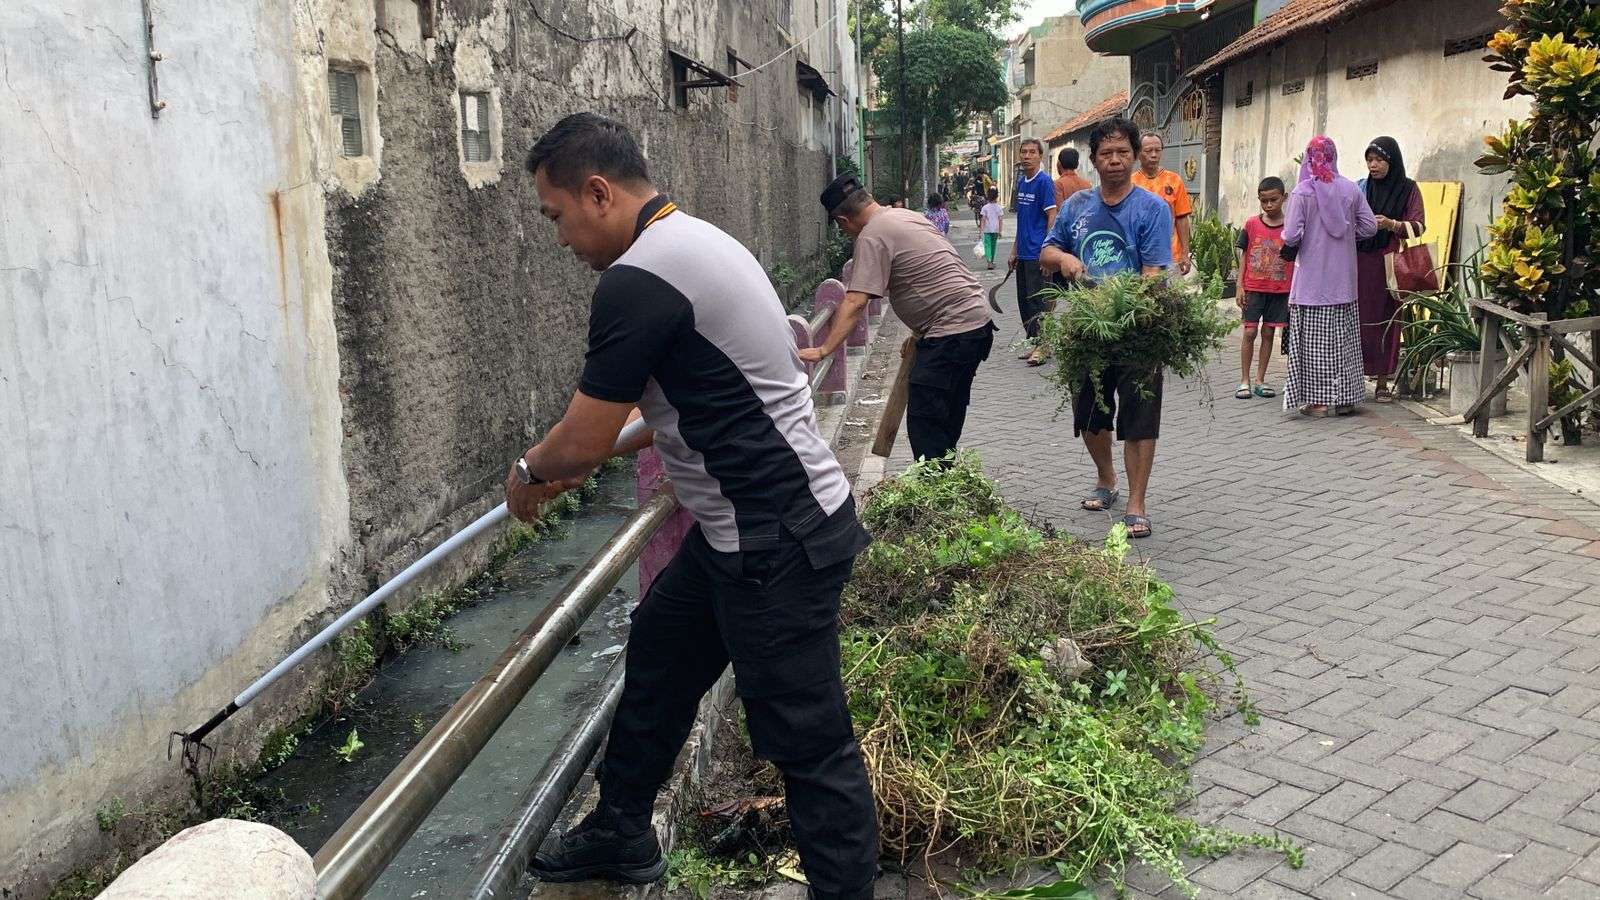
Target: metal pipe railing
[[356, 855], [193, 740], [541, 805]]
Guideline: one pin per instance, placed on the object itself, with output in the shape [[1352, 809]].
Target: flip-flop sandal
[[1243, 393], [1131, 522], [1262, 390], [1106, 497], [1383, 396], [1316, 413]]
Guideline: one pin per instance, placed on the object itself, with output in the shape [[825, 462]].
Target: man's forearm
[[555, 458], [844, 321], [1183, 235]]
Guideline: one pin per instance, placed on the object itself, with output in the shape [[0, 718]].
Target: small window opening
[[1469, 44], [475, 140], [1294, 87], [680, 81], [1361, 70], [1246, 97], [346, 103]]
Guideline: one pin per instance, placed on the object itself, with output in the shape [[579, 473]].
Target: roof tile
[[1296, 17], [1105, 109]]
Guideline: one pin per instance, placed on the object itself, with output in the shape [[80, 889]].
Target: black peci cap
[[837, 190]]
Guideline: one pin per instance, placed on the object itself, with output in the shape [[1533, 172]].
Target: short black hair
[[1272, 183], [585, 144], [1068, 160], [1111, 128], [935, 201], [1038, 145], [994, 193]]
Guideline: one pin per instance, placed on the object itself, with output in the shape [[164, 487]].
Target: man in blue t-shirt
[[1036, 215], [1102, 232]]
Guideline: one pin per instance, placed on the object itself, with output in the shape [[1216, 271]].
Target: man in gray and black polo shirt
[[686, 327]]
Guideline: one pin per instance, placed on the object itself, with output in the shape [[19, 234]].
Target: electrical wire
[[792, 47]]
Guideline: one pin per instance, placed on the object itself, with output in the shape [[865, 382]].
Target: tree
[[1543, 248], [951, 73], [985, 16]]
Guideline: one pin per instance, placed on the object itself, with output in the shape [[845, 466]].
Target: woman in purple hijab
[[1327, 215]]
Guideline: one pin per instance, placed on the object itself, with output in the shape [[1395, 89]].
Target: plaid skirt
[[1324, 357]]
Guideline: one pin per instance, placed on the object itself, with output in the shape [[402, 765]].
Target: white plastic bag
[[977, 249]]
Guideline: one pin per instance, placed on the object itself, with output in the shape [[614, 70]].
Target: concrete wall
[[1069, 78], [174, 504], [242, 378], [1437, 107]]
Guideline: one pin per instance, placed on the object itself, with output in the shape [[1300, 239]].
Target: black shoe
[[594, 849]]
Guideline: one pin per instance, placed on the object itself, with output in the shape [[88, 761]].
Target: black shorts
[[1271, 310], [1131, 402]]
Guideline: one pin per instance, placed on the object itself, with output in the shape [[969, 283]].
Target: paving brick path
[[1419, 621]]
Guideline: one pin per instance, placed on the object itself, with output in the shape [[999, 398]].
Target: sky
[[1037, 11]]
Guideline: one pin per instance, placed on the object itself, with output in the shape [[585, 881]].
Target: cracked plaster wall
[[1437, 107], [242, 378], [173, 510], [461, 322]]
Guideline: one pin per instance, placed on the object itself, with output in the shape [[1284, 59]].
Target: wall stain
[[275, 203]]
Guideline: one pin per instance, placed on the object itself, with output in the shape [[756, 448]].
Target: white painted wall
[[172, 503], [1438, 108]]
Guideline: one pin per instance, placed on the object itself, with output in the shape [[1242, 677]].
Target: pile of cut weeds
[[1022, 697]]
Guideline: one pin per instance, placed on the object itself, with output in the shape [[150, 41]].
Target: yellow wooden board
[[1441, 205]]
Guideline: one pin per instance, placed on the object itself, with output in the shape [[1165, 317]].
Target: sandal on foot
[[1315, 412], [1132, 522], [1243, 393], [1383, 395], [1105, 497], [1262, 390], [1345, 409]]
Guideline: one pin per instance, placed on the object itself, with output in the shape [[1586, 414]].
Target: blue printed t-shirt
[[1036, 196], [1111, 239]]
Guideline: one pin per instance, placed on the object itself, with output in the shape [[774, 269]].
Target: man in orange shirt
[[1068, 181], [1169, 186]]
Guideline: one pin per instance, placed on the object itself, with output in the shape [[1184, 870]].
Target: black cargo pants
[[940, 389], [774, 614]]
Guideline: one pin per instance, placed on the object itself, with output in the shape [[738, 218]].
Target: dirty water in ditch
[[411, 693]]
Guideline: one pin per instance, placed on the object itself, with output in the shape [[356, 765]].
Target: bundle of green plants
[[1140, 324], [1024, 697], [1212, 242]]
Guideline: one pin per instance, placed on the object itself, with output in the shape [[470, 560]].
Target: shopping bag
[[977, 249], [1410, 270]]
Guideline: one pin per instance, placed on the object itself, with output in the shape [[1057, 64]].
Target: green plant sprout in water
[[351, 746]]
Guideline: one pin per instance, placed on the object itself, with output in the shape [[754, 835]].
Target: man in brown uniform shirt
[[900, 255]]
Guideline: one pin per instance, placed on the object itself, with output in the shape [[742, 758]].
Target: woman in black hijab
[[1396, 202]]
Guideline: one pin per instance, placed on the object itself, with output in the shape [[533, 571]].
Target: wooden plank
[[1496, 309], [895, 409], [1570, 345], [1547, 421], [1538, 393], [1478, 412], [1571, 326]]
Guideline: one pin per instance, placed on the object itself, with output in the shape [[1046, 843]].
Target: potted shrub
[[1212, 243], [1437, 331]]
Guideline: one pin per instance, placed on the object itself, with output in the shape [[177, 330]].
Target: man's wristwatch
[[525, 474]]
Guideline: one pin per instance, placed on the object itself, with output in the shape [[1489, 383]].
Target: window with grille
[[1469, 44], [1246, 96], [346, 103], [1294, 87], [475, 140], [1362, 70]]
